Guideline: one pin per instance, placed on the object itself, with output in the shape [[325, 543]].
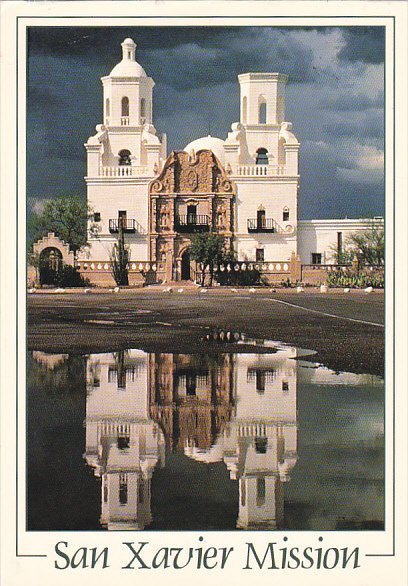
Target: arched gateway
[[192, 194]]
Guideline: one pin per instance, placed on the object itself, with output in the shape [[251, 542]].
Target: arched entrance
[[50, 265], [185, 266]]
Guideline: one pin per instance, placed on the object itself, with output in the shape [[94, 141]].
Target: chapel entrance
[[185, 266], [50, 265]]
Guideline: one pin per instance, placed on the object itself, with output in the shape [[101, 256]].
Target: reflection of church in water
[[239, 409]]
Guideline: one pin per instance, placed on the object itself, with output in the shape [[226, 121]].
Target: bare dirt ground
[[344, 329]]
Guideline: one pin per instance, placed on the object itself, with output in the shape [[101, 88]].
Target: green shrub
[[69, 276], [359, 281], [238, 278]]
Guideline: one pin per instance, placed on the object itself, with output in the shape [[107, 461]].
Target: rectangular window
[[286, 215], [260, 381], [140, 492], [97, 217], [260, 255], [285, 385], [260, 491], [316, 258]]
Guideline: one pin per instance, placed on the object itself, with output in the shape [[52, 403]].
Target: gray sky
[[335, 99]]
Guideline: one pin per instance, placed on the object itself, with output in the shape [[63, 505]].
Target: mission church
[[244, 187]]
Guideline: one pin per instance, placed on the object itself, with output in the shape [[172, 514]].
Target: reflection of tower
[[191, 396], [266, 429], [259, 444], [122, 443]]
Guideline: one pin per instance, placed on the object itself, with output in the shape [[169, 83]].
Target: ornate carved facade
[[193, 193]]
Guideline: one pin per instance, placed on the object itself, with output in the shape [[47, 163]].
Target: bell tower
[[127, 92], [262, 112]]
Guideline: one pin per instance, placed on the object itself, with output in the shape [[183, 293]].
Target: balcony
[[192, 223], [263, 225], [128, 226]]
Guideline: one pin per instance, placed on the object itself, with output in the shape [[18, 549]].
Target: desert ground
[[345, 330]]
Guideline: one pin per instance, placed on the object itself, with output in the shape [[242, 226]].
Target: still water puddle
[[223, 440]]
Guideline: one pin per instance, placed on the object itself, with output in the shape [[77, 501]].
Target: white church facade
[[244, 187]]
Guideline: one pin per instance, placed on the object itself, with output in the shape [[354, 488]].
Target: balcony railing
[[264, 225], [260, 170], [128, 226], [124, 171], [192, 223]]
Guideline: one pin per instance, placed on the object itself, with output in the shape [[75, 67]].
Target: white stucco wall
[[274, 195], [320, 236], [108, 197]]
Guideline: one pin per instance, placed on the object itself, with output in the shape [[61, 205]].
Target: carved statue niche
[[164, 216], [162, 252], [221, 216]]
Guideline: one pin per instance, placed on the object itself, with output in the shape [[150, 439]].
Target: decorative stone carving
[[156, 186], [189, 173]]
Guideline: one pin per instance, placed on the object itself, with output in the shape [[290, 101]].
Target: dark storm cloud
[[350, 102], [364, 127], [363, 43], [334, 104], [183, 57]]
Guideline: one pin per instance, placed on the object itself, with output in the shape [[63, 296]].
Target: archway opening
[[185, 266], [262, 157], [50, 265], [124, 157]]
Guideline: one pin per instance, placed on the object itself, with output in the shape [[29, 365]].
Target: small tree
[[367, 245], [67, 217], [119, 257], [208, 249], [34, 260]]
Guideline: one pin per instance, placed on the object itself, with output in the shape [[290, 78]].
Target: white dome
[[127, 68], [209, 143]]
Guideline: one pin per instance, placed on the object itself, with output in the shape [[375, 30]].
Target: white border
[[374, 570]]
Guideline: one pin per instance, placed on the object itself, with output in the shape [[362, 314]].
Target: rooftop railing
[[259, 170], [124, 171]]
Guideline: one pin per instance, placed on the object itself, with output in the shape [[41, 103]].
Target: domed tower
[[127, 91], [122, 158]]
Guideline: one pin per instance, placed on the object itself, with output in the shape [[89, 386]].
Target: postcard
[[204, 322]]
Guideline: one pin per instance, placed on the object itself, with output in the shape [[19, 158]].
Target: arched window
[[124, 157], [285, 215], [262, 113], [107, 107], [260, 492], [143, 108], [244, 109], [262, 157], [125, 106]]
